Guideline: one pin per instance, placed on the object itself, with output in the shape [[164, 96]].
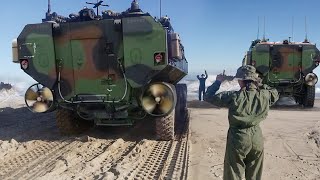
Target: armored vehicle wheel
[[181, 107], [69, 124], [299, 100], [309, 95], [165, 127]]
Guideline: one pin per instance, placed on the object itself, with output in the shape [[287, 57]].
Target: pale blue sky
[[215, 33]]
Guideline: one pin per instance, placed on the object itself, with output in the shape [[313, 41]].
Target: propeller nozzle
[[311, 79], [38, 98], [159, 99]]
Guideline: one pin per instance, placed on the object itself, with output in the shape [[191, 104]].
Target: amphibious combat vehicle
[[107, 69], [287, 66]]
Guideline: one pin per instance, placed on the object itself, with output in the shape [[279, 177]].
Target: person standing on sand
[[202, 85], [247, 108]]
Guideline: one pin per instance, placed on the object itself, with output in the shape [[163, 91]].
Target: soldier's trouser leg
[[201, 93], [254, 159], [234, 166], [244, 154]]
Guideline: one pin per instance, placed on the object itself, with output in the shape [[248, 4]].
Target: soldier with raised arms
[[202, 85], [247, 108]]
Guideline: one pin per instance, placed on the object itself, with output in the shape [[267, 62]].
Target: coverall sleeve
[[222, 99], [206, 75], [273, 94], [198, 77]]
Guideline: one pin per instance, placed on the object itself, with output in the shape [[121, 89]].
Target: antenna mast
[[305, 24], [49, 7], [97, 8], [258, 27], [160, 8], [48, 13], [264, 28], [292, 27], [97, 5]]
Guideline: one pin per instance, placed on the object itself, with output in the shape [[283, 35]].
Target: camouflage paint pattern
[[283, 65], [94, 57]]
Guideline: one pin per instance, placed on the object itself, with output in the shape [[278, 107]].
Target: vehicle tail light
[[24, 64]]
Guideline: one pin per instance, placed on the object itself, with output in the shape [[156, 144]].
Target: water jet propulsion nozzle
[[38, 98], [159, 99], [311, 79]]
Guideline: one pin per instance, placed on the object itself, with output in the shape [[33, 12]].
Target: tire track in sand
[[127, 166], [178, 160], [97, 167], [158, 159], [114, 158], [71, 161], [13, 168]]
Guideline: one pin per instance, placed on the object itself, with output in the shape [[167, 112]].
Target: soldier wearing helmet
[[247, 108]]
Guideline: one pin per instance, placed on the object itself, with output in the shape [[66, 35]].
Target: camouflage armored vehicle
[[110, 69], [287, 66]]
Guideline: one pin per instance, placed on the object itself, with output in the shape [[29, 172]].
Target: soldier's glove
[[259, 82]]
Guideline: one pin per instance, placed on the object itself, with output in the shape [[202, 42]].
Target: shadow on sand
[[22, 125], [294, 108], [200, 104]]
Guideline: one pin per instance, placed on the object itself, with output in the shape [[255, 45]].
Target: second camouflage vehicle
[[110, 69], [287, 66]]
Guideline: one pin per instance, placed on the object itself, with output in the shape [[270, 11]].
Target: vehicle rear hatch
[[285, 63]]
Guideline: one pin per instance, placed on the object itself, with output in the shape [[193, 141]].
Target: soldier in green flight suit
[[247, 108]]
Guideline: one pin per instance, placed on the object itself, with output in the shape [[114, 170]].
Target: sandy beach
[[32, 148], [291, 137]]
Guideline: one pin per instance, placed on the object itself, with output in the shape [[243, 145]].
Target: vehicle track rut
[[17, 166], [49, 164], [132, 154]]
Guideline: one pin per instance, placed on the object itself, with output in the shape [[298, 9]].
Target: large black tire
[[309, 96], [299, 100], [165, 127], [69, 123], [181, 108], [181, 105]]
